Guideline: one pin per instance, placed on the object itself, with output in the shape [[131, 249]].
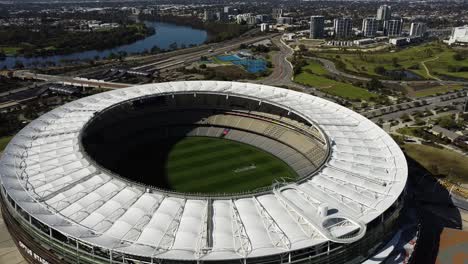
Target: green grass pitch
[[215, 165]]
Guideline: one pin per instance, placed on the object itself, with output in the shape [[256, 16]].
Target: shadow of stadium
[[138, 153], [435, 211]]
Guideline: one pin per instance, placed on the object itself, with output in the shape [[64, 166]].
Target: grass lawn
[[214, 165], [318, 78], [4, 142], [435, 90], [410, 131], [437, 58], [218, 61], [10, 50], [440, 161]]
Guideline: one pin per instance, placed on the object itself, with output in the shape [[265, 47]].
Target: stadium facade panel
[[61, 205]]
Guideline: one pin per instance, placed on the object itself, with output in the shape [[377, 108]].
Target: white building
[[459, 36], [369, 27], [243, 17], [360, 42], [264, 27], [418, 29]]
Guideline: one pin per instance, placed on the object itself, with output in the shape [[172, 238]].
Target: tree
[[302, 47], [155, 49], [374, 84], [380, 70], [405, 117], [173, 46], [447, 122], [19, 65], [458, 57], [419, 122]]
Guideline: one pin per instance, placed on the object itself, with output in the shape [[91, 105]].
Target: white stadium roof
[[44, 170]]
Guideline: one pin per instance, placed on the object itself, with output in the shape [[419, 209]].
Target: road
[[283, 69], [431, 103], [17, 90]]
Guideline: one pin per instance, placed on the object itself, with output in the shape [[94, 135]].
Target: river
[[166, 34]]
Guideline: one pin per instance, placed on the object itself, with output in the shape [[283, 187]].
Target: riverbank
[[53, 41], [168, 37], [217, 31]]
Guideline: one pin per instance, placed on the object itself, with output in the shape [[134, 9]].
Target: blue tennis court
[[251, 65]]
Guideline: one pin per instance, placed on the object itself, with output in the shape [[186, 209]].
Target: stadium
[[202, 172]]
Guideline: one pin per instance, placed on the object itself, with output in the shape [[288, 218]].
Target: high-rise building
[[393, 27], [277, 12], [384, 13], [418, 29], [370, 26], [317, 24], [343, 27]]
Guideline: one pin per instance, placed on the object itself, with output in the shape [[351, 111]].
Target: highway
[[160, 62], [186, 58]]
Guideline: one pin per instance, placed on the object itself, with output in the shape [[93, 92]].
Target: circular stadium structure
[[72, 193]]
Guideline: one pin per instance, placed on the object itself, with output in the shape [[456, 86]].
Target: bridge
[[67, 80]]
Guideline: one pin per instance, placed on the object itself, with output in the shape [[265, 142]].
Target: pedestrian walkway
[[9, 253]]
